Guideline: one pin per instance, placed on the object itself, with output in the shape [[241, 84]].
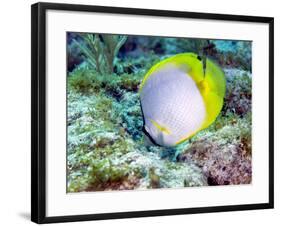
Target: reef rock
[[224, 156]]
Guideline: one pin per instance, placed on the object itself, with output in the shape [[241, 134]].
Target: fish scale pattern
[[171, 98]]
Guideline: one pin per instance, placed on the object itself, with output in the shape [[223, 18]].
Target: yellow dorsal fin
[[161, 128]]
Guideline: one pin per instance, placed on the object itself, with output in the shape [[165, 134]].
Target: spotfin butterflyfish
[[180, 96]]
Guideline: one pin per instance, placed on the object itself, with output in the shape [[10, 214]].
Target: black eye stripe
[[144, 130], [148, 135]]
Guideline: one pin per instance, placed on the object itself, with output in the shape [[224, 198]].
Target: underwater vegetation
[[99, 51], [106, 148]]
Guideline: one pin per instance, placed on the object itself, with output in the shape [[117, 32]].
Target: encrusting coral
[[224, 155], [105, 145]]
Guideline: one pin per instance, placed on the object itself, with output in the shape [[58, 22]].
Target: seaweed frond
[[100, 51]]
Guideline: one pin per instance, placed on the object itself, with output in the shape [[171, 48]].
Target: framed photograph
[[139, 112]]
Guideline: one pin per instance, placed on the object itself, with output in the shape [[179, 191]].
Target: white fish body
[[172, 105]]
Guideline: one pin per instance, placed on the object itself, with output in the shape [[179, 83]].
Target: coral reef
[[105, 143], [236, 54], [103, 156], [224, 155], [238, 97]]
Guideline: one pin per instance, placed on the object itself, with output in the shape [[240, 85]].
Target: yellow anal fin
[[161, 128], [186, 138]]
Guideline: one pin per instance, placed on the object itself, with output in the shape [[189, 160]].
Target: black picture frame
[[38, 111]]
